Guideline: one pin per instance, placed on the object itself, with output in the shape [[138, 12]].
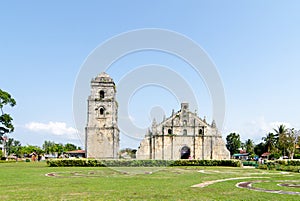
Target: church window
[[169, 131], [200, 131], [184, 123], [184, 132], [101, 94], [101, 111]]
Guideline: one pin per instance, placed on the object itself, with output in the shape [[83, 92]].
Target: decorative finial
[[153, 122], [213, 124]]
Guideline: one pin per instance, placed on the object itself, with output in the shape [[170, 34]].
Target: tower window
[[169, 131], [184, 123], [101, 111], [200, 131], [101, 94], [184, 132]]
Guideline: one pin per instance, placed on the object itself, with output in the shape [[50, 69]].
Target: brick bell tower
[[102, 132]]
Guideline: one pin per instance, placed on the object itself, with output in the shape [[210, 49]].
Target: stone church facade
[[102, 132], [183, 135]]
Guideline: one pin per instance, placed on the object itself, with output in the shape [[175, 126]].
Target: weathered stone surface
[[183, 131], [182, 135], [102, 133]]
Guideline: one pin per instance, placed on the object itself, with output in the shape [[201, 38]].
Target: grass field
[[36, 181]]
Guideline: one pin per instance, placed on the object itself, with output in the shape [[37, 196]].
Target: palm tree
[[281, 132], [270, 141], [249, 144]]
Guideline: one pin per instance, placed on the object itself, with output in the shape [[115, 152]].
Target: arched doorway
[[185, 152]]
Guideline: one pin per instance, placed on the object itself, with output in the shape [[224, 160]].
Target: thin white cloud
[[56, 128]]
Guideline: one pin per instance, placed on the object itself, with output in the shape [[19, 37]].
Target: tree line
[[282, 142], [14, 147]]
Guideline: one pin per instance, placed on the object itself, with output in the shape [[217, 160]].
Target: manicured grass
[[27, 181]]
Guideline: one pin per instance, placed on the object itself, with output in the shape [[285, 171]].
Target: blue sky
[[254, 45]]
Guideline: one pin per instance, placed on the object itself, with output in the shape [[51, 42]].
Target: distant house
[[242, 156], [266, 155], [76, 154]]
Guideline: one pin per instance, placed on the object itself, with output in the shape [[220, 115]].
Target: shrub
[[250, 163], [282, 165], [297, 156], [139, 163], [7, 161]]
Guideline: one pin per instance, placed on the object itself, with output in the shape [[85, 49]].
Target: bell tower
[[102, 132]]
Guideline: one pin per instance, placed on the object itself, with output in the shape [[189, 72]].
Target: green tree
[[243, 146], [270, 142], [233, 143], [281, 132], [59, 149], [52, 147], [70, 147], [249, 145], [127, 152], [49, 147], [13, 147], [28, 149], [260, 148], [6, 125], [291, 141]]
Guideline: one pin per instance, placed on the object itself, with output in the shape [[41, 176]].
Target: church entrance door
[[185, 152]]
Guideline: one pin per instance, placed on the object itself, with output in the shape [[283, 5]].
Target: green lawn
[[28, 181]]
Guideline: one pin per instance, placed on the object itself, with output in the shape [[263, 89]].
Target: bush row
[[230, 163], [139, 163], [8, 161], [250, 163], [282, 165], [279, 167], [288, 162]]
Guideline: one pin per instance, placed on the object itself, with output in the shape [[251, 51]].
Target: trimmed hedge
[[282, 165], [289, 162], [139, 163], [250, 163], [230, 163], [8, 161]]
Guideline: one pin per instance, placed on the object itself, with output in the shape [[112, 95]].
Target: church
[[183, 135]]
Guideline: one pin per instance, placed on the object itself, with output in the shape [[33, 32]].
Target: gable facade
[[183, 135]]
